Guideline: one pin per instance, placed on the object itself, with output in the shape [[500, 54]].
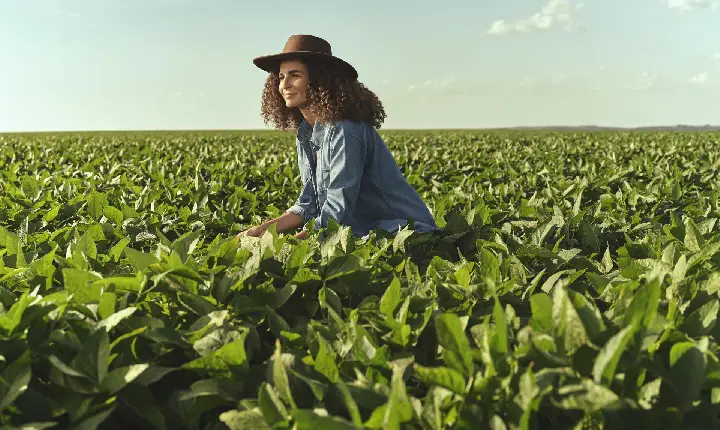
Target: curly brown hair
[[333, 97]]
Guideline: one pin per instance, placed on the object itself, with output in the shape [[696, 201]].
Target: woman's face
[[293, 83]]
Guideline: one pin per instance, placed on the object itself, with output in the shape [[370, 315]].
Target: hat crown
[[307, 43], [306, 46]]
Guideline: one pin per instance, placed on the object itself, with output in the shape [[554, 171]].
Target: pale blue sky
[[186, 64]]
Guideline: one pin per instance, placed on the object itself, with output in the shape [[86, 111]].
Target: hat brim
[[271, 63]]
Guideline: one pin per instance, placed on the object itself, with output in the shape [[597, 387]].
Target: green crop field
[[575, 285]]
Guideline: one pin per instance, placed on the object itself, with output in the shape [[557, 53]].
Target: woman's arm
[[285, 222]]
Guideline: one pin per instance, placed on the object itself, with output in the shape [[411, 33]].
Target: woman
[[348, 173]]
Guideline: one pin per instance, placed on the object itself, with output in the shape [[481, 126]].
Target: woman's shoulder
[[354, 128]]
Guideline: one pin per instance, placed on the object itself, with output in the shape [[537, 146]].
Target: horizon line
[[271, 130]]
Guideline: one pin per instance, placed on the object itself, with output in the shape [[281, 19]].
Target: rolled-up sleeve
[[347, 161], [305, 204]]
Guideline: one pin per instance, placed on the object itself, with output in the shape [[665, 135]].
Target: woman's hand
[[302, 235], [256, 231]]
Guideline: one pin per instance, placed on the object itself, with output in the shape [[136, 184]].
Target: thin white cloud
[[693, 4], [700, 78], [612, 82], [443, 83], [440, 83], [555, 13], [537, 81], [644, 82], [528, 82]]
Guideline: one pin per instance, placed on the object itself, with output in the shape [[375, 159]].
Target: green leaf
[[79, 283], [10, 240], [280, 377], [296, 259], [120, 283], [64, 368], [139, 260], [344, 265], [324, 361], [676, 192], [14, 380], [276, 322], [694, 240], [441, 376], [242, 420], [489, 265], [225, 361], [607, 361], [701, 321], [85, 246], [398, 409], [309, 420], [94, 357], [391, 298], [569, 330], [538, 236], [400, 238], [116, 251], [499, 345], [456, 345], [107, 304], [114, 319], [350, 403], [680, 269], [96, 204], [607, 263], [273, 410], [118, 378], [52, 213], [644, 305], [95, 417], [585, 396], [113, 214], [685, 377], [541, 307], [589, 315], [10, 321], [185, 245], [140, 400]]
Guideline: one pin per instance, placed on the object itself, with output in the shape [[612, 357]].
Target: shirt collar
[[304, 130], [312, 135]]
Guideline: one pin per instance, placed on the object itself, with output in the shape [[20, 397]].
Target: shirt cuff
[[300, 211]]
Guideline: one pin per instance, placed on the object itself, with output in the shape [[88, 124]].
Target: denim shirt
[[350, 175]]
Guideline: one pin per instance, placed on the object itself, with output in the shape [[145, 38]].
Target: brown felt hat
[[303, 46]]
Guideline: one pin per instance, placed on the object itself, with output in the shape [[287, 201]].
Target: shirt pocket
[[324, 179], [323, 160]]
